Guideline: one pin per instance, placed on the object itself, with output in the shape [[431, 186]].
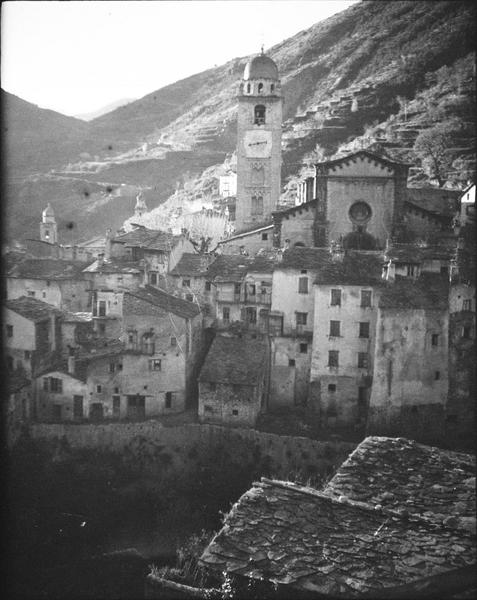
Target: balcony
[[258, 299]]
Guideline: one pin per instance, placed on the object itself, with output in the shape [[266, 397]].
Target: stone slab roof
[[435, 200], [397, 473], [47, 268], [428, 291], [32, 309], [356, 268], [234, 360], [150, 239], [115, 265], [248, 231], [194, 265], [228, 267], [144, 300], [301, 257], [299, 208], [295, 535], [411, 253]]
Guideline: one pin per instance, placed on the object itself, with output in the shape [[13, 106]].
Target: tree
[[432, 147]]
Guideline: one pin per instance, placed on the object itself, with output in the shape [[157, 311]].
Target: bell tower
[[48, 226], [259, 134]]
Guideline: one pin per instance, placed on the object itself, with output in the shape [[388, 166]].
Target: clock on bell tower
[[259, 135]]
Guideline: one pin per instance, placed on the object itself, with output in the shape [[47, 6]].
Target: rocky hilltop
[[379, 72]]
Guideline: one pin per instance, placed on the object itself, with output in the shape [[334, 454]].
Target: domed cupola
[[48, 216], [260, 77]]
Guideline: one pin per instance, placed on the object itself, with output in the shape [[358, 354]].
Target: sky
[[76, 57]]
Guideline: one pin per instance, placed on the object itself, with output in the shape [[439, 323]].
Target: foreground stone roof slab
[[297, 536], [397, 473]]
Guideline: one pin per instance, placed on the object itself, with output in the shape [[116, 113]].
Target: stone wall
[[151, 447]]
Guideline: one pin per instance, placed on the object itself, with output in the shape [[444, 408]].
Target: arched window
[[260, 88], [248, 88], [257, 205], [272, 88], [259, 115]]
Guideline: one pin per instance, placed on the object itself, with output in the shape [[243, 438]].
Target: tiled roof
[[145, 300], [192, 264], [234, 360], [411, 253], [32, 309], [78, 317], [298, 536], [228, 267], [115, 265], [150, 239], [406, 476], [438, 201], [355, 268], [47, 268], [264, 262], [301, 257], [429, 290]]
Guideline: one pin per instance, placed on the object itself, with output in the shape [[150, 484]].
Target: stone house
[[291, 324], [61, 393], [233, 382], [20, 407], [113, 274], [57, 282], [159, 250], [411, 370], [387, 525], [257, 291], [295, 226], [248, 242], [190, 279], [31, 334], [347, 290]]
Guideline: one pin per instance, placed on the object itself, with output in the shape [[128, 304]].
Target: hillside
[[377, 72]]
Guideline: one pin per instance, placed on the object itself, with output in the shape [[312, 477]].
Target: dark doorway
[[136, 407], [78, 407], [96, 411]]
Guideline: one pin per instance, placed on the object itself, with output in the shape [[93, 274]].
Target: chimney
[[100, 260]]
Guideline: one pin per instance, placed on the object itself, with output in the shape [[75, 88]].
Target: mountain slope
[[379, 71]]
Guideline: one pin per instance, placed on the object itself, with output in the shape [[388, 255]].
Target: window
[[291, 362], [226, 314], [252, 289], [153, 278], [47, 284], [437, 375], [208, 286], [186, 283], [333, 358], [116, 390], [362, 360], [257, 205], [212, 386], [410, 270], [27, 354], [303, 348], [120, 366], [301, 318], [435, 339], [335, 297], [303, 285], [155, 364], [264, 237], [190, 297], [31, 294], [365, 298], [335, 328], [248, 88], [259, 115], [43, 294], [102, 308], [45, 384], [467, 304], [303, 271], [466, 331], [112, 367], [364, 330], [332, 387], [9, 330], [173, 341], [237, 288], [235, 412], [272, 88], [168, 400], [260, 88], [56, 385], [251, 315], [99, 389], [78, 407]]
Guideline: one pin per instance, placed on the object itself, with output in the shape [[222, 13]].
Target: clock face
[[258, 143]]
